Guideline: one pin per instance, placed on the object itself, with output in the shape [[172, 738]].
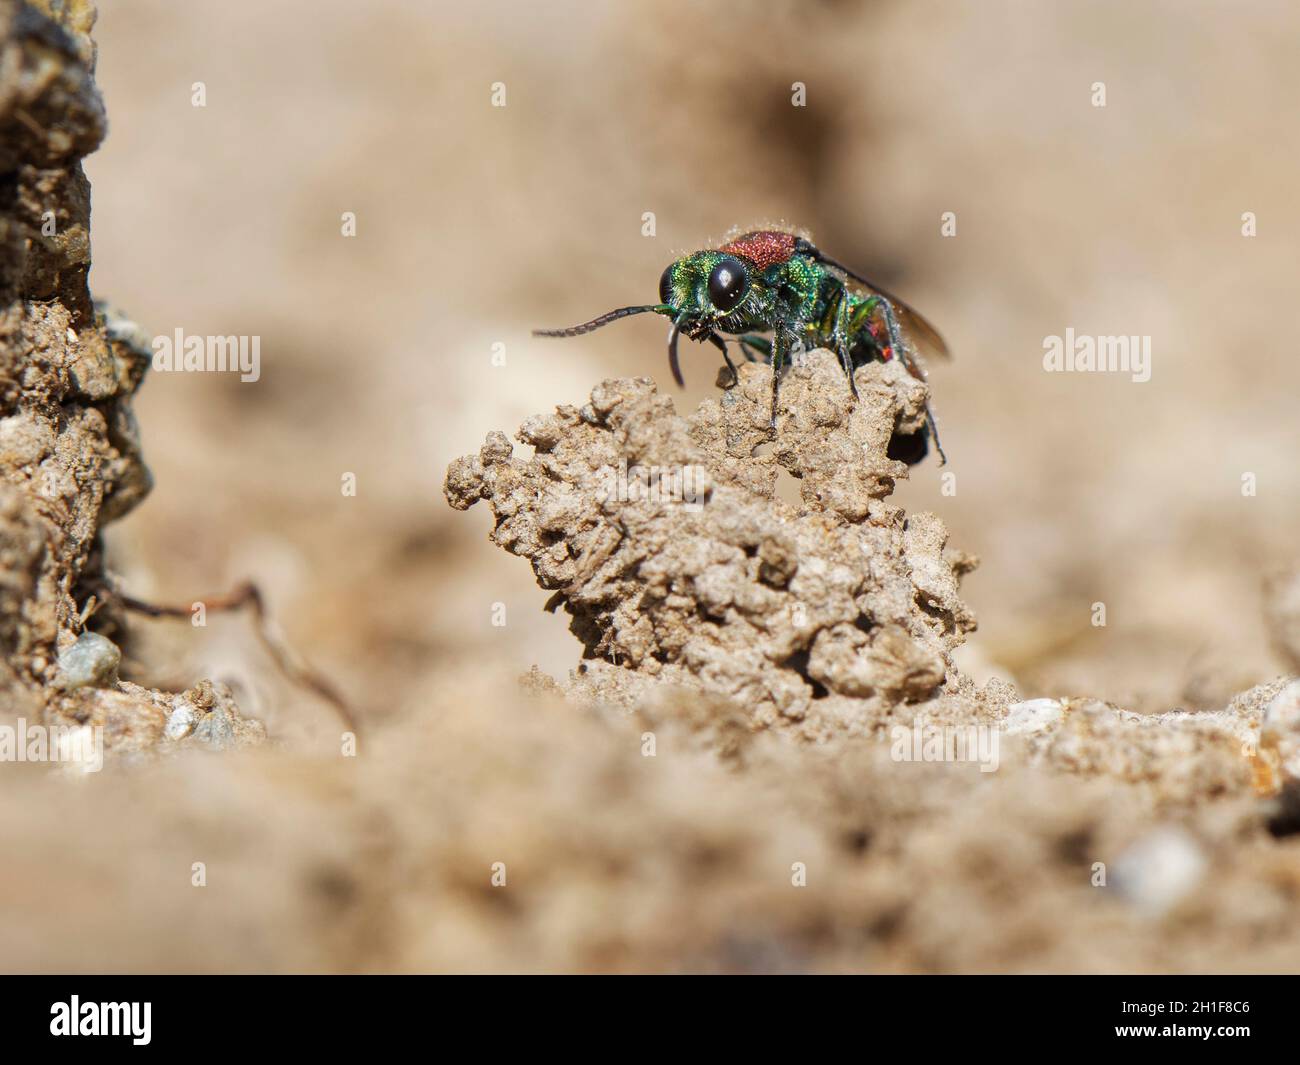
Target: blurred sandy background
[[476, 224]]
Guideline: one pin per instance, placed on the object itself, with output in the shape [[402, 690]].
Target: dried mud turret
[[666, 541]]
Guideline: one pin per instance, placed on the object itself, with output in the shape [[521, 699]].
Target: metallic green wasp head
[[705, 287]]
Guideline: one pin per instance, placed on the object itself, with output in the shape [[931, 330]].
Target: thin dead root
[[288, 661]]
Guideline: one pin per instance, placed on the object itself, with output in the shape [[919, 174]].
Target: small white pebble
[[1034, 715], [72, 335], [180, 723], [1160, 870], [1280, 730]]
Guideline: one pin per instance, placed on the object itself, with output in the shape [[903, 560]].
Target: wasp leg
[[900, 352], [780, 355], [721, 345], [840, 335], [934, 433], [752, 342]]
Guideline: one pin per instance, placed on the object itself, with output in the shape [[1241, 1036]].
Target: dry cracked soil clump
[[70, 457], [665, 540]]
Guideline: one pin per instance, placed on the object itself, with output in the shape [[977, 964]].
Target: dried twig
[[289, 662]]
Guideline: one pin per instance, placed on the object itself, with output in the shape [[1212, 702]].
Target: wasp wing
[[924, 337]]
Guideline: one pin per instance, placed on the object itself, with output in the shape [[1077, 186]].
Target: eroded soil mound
[[665, 540]]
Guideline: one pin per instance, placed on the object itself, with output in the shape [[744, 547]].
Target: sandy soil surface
[[696, 777]]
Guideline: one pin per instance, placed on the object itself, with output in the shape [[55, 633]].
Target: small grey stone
[[216, 729], [91, 662], [180, 723]]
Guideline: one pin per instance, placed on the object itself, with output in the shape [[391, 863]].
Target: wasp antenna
[[604, 319]]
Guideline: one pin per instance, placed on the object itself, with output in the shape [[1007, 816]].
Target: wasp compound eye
[[727, 284], [666, 285]]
